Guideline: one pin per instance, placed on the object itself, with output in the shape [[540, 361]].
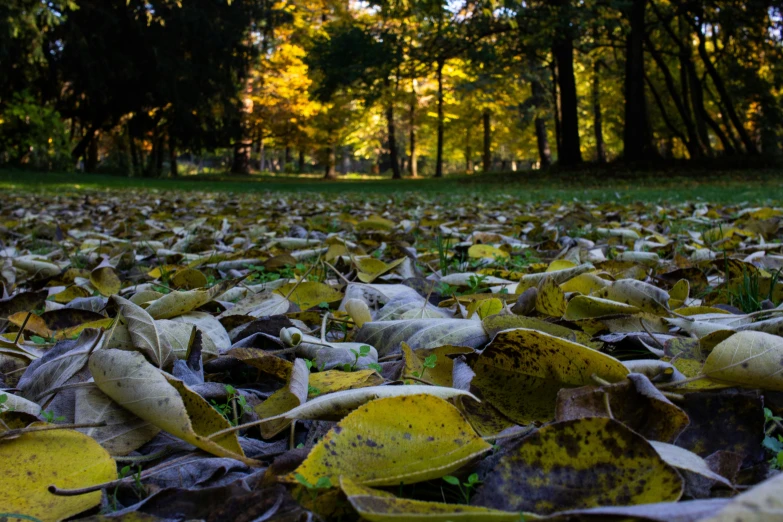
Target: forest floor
[[477, 348], [732, 186]]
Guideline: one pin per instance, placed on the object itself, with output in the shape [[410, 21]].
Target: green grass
[[752, 187]]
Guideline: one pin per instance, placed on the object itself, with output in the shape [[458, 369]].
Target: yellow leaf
[[35, 324], [584, 284], [70, 293], [369, 268], [336, 380], [293, 394], [105, 280], [551, 299], [595, 461], [399, 440], [589, 307], [309, 294], [66, 458], [521, 371], [485, 307], [188, 279], [486, 251], [381, 506], [751, 359], [159, 271], [560, 264]]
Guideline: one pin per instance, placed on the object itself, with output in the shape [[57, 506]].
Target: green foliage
[[235, 406], [465, 488], [363, 351], [32, 134]]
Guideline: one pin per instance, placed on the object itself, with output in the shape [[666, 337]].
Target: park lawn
[[739, 186]]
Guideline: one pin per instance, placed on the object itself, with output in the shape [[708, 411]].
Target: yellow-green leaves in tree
[[381, 506], [136, 385], [308, 294], [750, 359], [521, 372], [31, 462], [399, 440], [576, 464]]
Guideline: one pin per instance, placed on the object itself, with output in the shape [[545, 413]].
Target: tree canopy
[[398, 87]]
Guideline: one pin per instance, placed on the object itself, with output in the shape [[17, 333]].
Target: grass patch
[[752, 187]]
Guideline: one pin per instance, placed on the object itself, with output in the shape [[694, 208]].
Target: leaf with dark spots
[[579, 464]]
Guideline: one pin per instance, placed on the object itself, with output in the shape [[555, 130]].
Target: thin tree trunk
[[134, 153], [537, 94], [288, 157], [161, 146], [662, 108], [468, 152], [91, 162], [81, 147], [301, 162], [412, 166], [750, 147], [486, 158], [395, 162], [556, 105], [262, 153], [570, 153], [637, 144], [600, 147], [692, 140], [439, 157], [330, 160], [172, 156]]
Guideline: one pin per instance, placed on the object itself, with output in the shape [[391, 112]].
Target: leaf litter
[[187, 356]]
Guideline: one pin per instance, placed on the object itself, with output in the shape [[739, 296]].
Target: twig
[[21, 329], [337, 272], [50, 427], [413, 377]]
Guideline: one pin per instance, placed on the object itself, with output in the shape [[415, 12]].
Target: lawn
[[751, 186]]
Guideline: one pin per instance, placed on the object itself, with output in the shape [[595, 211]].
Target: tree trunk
[[468, 152], [395, 162], [750, 147], [81, 147], [486, 158], [134, 153], [172, 156], [570, 153], [662, 109], [159, 157], [330, 160], [556, 105], [439, 157], [301, 162], [692, 140], [288, 157], [600, 147], [262, 154], [241, 163], [538, 93], [637, 144], [412, 166], [91, 162]]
